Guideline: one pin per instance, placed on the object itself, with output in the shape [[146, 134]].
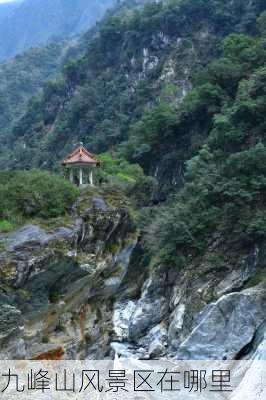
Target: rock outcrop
[[226, 327], [201, 312], [87, 290], [56, 285]]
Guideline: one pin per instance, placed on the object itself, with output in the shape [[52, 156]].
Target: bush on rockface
[[34, 194], [228, 198], [5, 226], [130, 178]]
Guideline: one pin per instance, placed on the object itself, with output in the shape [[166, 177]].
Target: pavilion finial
[[81, 144]]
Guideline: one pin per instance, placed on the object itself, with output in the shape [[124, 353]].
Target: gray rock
[[152, 306], [238, 277], [232, 281], [257, 348], [128, 350], [226, 327], [150, 310], [100, 204], [158, 341], [63, 233], [47, 279], [176, 325], [120, 268], [260, 353], [14, 350], [156, 349], [77, 287], [10, 320], [122, 315], [152, 345], [28, 236], [252, 385]]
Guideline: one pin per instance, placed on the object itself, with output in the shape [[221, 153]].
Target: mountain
[[141, 58], [31, 23], [24, 75], [165, 256]]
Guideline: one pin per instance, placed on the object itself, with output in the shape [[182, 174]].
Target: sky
[[6, 1]]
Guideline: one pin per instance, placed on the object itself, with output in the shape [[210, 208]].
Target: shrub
[[34, 194], [45, 339], [5, 226], [130, 177]]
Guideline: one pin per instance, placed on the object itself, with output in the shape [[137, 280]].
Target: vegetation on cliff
[[22, 77], [141, 57], [157, 89], [224, 191], [26, 195], [129, 178], [25, 75]]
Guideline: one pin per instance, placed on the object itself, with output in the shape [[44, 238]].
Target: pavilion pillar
[[71, 176], [80, 176], [91, 177]]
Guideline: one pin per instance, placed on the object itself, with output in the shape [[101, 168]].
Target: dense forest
[[24, 76], [140, 59], [224, 189], [158, 88]]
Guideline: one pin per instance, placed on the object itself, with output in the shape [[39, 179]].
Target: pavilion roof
[[80, 156]]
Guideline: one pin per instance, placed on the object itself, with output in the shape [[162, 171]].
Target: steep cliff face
[[206, 311], [56, 286], [86, 291]]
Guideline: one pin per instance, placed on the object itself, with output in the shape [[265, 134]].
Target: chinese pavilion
[[79, 166]]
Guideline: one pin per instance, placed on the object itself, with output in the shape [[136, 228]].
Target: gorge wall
[[86, 291]]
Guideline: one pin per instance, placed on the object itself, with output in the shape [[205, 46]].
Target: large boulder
[[226, 327], [158, 341]]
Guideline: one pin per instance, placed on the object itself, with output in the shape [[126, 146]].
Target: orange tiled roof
[[80, 156]]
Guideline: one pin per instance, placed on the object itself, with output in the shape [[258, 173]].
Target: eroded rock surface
[[226, 327], [56, 285], [88, 291]]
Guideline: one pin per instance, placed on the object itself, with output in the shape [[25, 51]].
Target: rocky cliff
[[87, 290], [57, 285]]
